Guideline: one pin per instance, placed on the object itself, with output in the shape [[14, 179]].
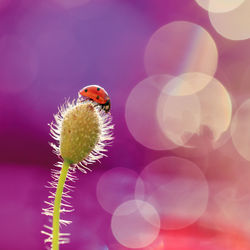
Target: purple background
[[48, 53]]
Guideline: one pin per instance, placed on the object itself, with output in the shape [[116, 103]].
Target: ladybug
[[98, 95]]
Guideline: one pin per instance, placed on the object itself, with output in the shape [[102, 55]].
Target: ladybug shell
[[95, 93]]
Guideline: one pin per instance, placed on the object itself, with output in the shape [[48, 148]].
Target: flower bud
[[80, 132]]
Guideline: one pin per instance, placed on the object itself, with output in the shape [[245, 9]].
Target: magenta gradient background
[[47, 53]]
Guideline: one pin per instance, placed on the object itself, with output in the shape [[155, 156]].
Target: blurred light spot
[[140, 113], [178, 117], [177, 189], [191, 120], [18, 64], [115, 187], [135, 224], [67, 4], [216, 108], [235, 24], [187, 84], [180, 47], [218, 6], [240, 130]]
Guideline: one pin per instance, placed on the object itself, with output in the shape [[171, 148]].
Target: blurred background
[[178, 75]]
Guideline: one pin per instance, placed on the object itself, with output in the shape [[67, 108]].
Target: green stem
[[57, 205]]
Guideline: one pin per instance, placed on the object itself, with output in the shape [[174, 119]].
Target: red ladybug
[[98, 95]]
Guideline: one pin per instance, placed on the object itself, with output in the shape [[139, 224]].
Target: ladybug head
[[106, 106]]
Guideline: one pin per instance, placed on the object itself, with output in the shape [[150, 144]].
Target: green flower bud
[[80, 132]]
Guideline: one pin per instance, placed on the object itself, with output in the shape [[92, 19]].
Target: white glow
[[135, 224]]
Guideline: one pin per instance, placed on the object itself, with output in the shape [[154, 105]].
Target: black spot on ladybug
[[98, 97], [86, 90], [98, 90]]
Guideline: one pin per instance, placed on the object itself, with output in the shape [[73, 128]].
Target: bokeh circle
[[177, 189], [187, 84], [178, 117], [135, 224], [202, 116], [180, 47], [240, 131], [116, 186], [140, 113], [233, 25], [219, 6]]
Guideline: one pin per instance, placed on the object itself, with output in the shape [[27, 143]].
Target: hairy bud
[[80, 133]]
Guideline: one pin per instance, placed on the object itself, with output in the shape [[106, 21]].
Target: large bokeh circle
[[116, 186], [240, 130], [177, 189], [219, 6], [233, 25], [140, 113], [180, 47], [135, 224]]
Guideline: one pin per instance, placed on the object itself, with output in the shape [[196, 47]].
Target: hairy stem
[[57, 205]]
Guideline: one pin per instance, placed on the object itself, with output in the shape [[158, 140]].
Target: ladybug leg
[[95, 104]]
